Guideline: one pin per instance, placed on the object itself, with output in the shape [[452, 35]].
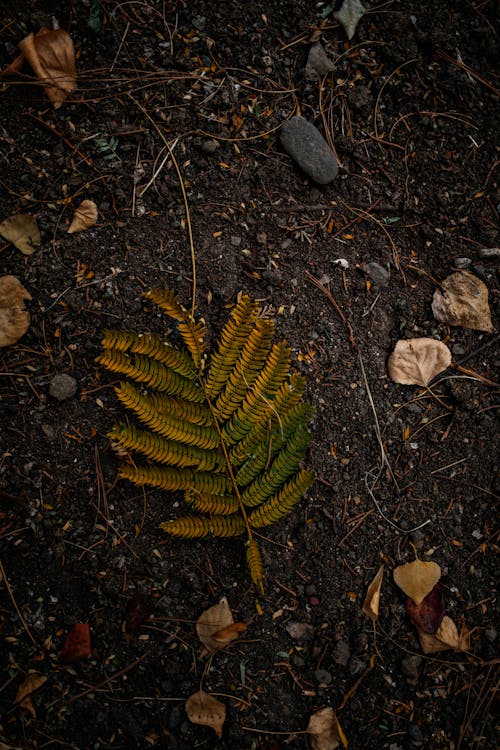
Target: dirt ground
[[412, 110]]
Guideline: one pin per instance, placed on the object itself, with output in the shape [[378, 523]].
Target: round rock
[[307, 147], [62, 387]]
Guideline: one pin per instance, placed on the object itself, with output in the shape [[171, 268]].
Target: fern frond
[[153, 374], [191, 527], [165, 451], [232, 340], [166, 425], [193, 334], [151, 345], [204, 502], [283, 502], [255, 565], [171, 479]]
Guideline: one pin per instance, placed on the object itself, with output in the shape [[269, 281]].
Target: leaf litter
[[202, 708], [216, 627], [22, 230], [417, 578], [14, 317], [418, 361], [85, 216]]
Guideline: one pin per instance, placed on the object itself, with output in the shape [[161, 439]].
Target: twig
[[327, 292], [12, 598], [105, 682]]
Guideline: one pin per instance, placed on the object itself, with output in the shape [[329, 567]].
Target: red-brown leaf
[[138, 611], [77, 644], [429, 614]]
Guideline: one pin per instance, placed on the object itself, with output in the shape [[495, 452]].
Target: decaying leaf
[[349, 15], [325, 730], [372, 599], [216, 627], [77, 644], [85, 216], [418, 361], [22, 230], [428, 615], [463, 301], [23, 698], [14, 318], [51, 55], [203, 708], [417, 578], [446, 637], [138, 612]]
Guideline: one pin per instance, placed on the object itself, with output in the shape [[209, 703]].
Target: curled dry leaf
[[417, 579], [325, 730], [349, 15], [463, 301], [372, 599], [33, 681], [446, 637], [14, 318], [216, 627], [51, 55], [85, 216], [202, 708], [22, 230], [428, 615], [418, 361]]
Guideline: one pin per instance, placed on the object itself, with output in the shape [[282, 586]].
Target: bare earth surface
[[412, 110]]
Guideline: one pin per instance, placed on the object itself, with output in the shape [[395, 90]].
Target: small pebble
[[410, 665], [377, 273], [307, 147], [415, 735], [318, 63], [62, 387], [341, 653], [322, 677], [209, 146], [490, 253], [462, 263], [300, 631]]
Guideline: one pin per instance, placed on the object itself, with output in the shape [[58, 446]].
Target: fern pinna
[[232, 435]]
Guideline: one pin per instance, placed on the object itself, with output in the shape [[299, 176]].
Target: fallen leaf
[[85, 216], [202, 708], [372, 599], [349, 15], [463, 301], [14, 318], [418, 361], [51, 55], [428, 615], [417, 578], [33, 681], [325, 730], [216, 627], [77, 644], [446, 637], [138, 611], [22, 230]]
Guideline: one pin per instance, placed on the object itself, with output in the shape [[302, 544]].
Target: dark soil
[[412, 107]]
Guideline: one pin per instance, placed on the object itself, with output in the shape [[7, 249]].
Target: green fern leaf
[[274, 509], [255, 565], [193, 334], [152, 346], [200, 526]]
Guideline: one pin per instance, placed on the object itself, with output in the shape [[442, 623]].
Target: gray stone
[[300, 631], [209, 146], [462, 263], [62, 387], [410, 665], [307, 147], [322, 677], [490, 253], [318, 63], [377, 273], [341, 653]]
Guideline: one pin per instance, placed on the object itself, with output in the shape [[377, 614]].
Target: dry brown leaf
[[463, 301], [417, 578], [216, 627], [85, 216], [51, 55], [14, 318], [446, 637], [23, 698], [22, 230], [325, 730], [418, 361], [372, 599], [203, 708]]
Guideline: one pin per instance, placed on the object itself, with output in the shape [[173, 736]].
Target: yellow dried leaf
[[51, 55], [23, 698], [325, 730], [216, 627], [445, 637], [85, 216], [417, 579], [372, 599], [463, 301], [418, 361], [22, 230], [202, 708], [14, 318]]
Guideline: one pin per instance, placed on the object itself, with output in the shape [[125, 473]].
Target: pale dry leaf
[[14, 318], [51, 55], [463, 301], [33, 682], [22, 230], [349, 15], [446, 637], [325, 730], [202, 708], [417, 578], [418, 361], [216, 627], [372, 599], [85, 216]]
